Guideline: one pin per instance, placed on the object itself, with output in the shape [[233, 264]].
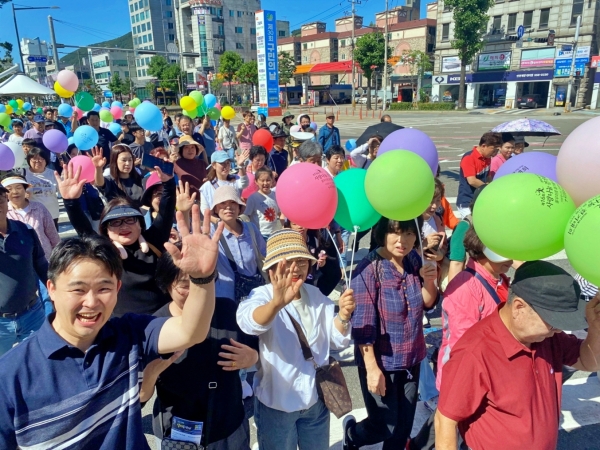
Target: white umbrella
[[21, 84]]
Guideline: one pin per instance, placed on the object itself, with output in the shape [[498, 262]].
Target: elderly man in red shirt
[[502, 385]]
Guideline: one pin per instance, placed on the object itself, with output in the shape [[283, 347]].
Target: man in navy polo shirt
[[75, 383], [475, 170]]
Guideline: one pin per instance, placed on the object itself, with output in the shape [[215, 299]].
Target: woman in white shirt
[[43, 187], [228, 139], [287, 410], [219, 174]]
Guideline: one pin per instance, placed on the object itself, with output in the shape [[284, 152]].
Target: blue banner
[[266, 52], [562, 67]]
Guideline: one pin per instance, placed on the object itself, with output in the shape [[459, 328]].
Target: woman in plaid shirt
[[391, 287]]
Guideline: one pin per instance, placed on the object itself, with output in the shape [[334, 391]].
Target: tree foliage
[[470, 24], [418, 62], [229, 65], [369, 53], [248, 74], [2, 2], [167, 74], [93, 89], [287, 67], [117, 85]]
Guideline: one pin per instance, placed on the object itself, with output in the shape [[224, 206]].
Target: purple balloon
[[414, 141], [7, 158], [539, 163], [55, 141]]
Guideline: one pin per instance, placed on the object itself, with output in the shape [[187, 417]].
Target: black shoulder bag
[[485, 284]]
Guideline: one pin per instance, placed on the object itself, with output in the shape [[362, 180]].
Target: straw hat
[[288, 244]]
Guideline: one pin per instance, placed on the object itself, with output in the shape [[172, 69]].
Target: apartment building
[[106, 63], [527, 54]]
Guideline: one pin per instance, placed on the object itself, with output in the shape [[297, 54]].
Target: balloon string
[[338, 252], [354, 245], [420, 242]]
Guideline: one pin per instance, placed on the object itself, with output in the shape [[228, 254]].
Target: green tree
[[128, 87], [93, 89], [2, 2], [470, 24], [168, 75], [216, 84], [248, 74], [117, 86], [229, 65], [296, 32], [418, 63], [287, 67], [6, 60], [151, 88], [369, 53]]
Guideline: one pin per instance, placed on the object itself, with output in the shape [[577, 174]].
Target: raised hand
[[242, 158], [284, 288], [347, 304], [98, 158], [69, 186], [185, 201], [199, 252], [238, 356]]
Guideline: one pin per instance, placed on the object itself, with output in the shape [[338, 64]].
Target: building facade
[[526, 58], [35, 57], [106, 64]]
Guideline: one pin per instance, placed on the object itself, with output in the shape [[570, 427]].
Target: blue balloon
[[85, 137], [210, 100], [213, 123], [350, 144], [106, 104], [116, 103], [64, 110], [114, 128], [26, 106], [96, 107], [148, 116], [71, 140], [2, 108]]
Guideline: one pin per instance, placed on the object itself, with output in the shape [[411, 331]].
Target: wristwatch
[[201, 281]]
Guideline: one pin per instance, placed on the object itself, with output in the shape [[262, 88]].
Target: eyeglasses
[[118, 222]]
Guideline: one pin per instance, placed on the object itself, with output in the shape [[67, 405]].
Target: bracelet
[[344, 322], [201, 281]]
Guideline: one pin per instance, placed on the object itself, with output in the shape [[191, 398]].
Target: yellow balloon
[[20, 102], [61, 91], [9, 109], [227, 113], [188, 103]]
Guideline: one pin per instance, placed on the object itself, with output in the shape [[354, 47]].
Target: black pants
[[56, 223], [390, 418]]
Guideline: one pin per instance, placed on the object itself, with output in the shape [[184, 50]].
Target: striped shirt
[[55, 396], [588, 290]]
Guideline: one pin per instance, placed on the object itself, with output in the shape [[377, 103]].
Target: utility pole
[[53, 42], [572, 71], [18, 39], [385, 58], [353, 2]]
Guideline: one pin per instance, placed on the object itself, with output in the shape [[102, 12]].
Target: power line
[[88, 30], [316, 15]]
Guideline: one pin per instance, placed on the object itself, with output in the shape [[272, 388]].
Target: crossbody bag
[[485, 284]]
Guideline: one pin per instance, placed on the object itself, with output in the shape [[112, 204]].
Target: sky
[[98, 20]]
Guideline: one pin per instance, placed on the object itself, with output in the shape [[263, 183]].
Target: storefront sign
[[537, 57], [563, 67], [582, 52], [266, 52], [494, 61], [452, 64], [595, 62], [530, 75]]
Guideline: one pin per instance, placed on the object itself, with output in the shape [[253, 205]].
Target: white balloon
[[18, 152]]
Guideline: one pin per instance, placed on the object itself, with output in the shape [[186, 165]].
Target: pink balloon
[[218, 106], [252, 187], [88, 171], [132, 110], [68, 80], [307, 195], [116, 112], [78, 111], [295, 128]]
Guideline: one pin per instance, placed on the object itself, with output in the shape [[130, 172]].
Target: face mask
[[304, 127]]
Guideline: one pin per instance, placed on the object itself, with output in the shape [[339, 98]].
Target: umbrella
[[527, 127], [382, 129]]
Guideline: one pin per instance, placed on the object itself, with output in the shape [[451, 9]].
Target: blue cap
[[38, 118], [219, 156], [17, 121]]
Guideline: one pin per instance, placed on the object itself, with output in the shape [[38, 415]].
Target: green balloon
[[19, 112], [197, 96], [4, 120], [39, 110], [14, 104], [399, 184], [191, 114], [135, 102], [84, 101], [213, 113], [106, 116], [523, 216], [353, 207], [581, 240]]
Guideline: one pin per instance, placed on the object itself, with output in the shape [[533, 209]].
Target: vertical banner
[[268, 70]]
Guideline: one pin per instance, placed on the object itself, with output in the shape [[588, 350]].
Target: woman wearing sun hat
[[220, 174], [287, 410]]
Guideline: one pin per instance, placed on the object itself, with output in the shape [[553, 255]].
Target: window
[[171, 37], [132, 19], [281, 33], [512, 23], [231, 13], [430, 48], [445, 31], [252, 46], [170, 25], [137, 17], [136, 7], [240, 13], [143, 72], [252, 30], [220, 12], [576, 11], [239, 46], [497, 23], [238, 30], [147, 14], [137, 63], [130, 8], [304, 46], [168, 2], [169, 14], [544, 16], [431, 31], [139, 29], [144, 39], [343, 57], [150, 37], [343, 43], [147, 60], [148, 26], [527, 19], [305, 59], [143, 27], [126, 73], [220, 30]]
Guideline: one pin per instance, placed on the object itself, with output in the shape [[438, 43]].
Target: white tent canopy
[[21, 84]]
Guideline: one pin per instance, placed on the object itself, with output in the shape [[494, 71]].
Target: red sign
[[595, 62]]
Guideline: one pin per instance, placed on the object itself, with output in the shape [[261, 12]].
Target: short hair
[[335, 150], [473, 244], [507, 137], [439, 190], [386, 226], [186, 118], [263, 169], [491, 138], [256, 150], [178, 116], [36, 151], [117, 201], [135, 127], [302, 117], [386, 118], [93, 247], [28, 141], [308, 149], [93, 113], [166, 271]]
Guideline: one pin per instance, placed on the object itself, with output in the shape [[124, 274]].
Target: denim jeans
[[307, 429], [16, 329], [427, 389]]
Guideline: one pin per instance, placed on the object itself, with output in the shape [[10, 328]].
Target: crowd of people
[[181, 282]]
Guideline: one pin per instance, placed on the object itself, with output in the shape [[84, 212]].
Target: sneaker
[[349, 421], [432, 403], [246, 390]]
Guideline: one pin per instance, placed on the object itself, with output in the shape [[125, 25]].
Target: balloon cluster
[[66, 83], [14, 106], [196, 104]]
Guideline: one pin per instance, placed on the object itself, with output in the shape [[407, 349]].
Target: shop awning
[[333, 68], [302, 69]]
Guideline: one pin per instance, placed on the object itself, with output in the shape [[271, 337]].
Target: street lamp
[[23, 8]]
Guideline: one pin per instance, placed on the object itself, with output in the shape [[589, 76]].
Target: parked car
[[531, 101]]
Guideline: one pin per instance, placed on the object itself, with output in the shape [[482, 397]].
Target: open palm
[[98, 158], [69, 186]]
